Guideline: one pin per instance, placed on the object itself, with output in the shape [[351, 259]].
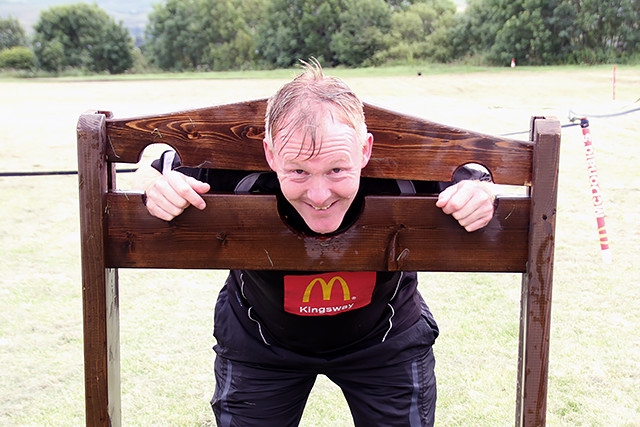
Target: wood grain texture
[[99, 284], [537, 282], [405, 147], [245, 231]]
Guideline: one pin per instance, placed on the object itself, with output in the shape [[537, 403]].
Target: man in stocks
[[269, 348]]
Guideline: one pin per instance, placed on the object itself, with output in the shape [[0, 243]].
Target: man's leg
[[248, 395], [402, 395], [392, 383]]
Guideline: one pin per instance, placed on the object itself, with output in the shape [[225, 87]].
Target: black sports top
[[319, 313]]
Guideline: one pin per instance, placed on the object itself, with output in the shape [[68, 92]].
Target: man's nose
[[318, 191]]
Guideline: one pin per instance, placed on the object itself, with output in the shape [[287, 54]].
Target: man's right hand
[[169, 194]]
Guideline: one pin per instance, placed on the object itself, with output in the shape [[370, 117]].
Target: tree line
[[187, 35]]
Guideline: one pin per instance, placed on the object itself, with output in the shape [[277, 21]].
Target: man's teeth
[[321, 208]]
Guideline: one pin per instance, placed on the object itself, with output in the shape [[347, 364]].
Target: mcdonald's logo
[[327, 294], [326, 288]]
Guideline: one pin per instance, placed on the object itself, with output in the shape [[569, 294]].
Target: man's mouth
[[322, 208]]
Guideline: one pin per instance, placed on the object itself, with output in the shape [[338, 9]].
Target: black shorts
[[391, 383]]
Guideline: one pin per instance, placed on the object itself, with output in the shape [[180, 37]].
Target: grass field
[[166, 316]]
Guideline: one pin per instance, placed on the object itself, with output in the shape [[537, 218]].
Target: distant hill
[[132, 13]]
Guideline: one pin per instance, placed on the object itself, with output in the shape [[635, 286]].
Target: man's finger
[[163, 210], [200, 188], [183, 187], [457, 198], [445, 196]]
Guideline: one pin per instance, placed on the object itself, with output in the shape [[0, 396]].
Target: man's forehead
[[307, 136]]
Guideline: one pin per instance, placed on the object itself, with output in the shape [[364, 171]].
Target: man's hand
[[168, 195], [469, 202]]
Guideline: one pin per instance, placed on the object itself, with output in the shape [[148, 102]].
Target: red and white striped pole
[[596, 194], [615, 69]]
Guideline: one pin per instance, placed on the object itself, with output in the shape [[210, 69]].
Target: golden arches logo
[[326, 288]]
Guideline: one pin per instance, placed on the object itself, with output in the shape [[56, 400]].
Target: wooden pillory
[[245, 231]]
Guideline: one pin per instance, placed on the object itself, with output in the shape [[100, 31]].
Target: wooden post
[[99, 284], [535, 317]]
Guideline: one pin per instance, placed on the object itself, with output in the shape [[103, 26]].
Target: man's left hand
[[469, 202]]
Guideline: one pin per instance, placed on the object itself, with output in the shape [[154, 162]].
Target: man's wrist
[[490, 188]]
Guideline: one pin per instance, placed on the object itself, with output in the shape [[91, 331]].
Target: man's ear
[[268, 153], [367, 148]]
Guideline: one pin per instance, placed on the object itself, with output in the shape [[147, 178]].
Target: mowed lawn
[[167, 316]]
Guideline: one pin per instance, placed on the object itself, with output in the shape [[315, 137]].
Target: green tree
[[564, 26], [12, 33], [475, 30], [50, 56], [17, 58], [439, 18], [363, 26], [401, 4], [231, 32], [548, 31], [299, 29], [174, 36], [81, 36], [538, 33], [203, 34], [608, 30], [419, 31]]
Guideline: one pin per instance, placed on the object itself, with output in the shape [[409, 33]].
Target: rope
[[52, 173], [527, 132], [600, 116], [574, 116]]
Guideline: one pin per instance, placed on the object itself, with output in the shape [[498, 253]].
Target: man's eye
[[336, 170], [298, 171]]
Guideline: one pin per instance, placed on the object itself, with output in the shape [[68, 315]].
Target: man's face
[[320, 188]]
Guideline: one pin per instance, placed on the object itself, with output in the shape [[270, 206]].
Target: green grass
[[389, 70], [166, 316], [400, 70]]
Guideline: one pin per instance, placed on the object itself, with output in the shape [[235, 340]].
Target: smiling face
[[320, 181]]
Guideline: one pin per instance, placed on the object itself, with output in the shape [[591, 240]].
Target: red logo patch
[[328, 294]]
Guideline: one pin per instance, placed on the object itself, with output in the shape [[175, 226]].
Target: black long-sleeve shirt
[[320, 313]]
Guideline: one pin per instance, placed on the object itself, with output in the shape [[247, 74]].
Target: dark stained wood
[[406, 147], [537, 282], [99, 283], [230, 137], [245, 231]]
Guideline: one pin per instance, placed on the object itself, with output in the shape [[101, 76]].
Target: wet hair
[[307, 100]]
